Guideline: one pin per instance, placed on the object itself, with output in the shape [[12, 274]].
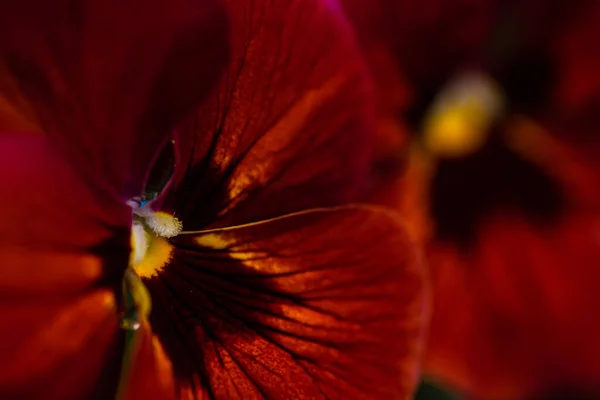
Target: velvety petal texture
[[258, 303], [293, 107], [322, 304]]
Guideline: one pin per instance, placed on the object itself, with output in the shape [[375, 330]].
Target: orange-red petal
[[151, 374], [287, 128], [328, 303], [57, 347]]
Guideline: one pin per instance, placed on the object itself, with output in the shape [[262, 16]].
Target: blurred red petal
[[47, 209], [13, 120], [62, 253], [429, 39], [293, 106], [513, 317], [58, 347], [579, 66], [151, 371], [109, 80], [328, 303]]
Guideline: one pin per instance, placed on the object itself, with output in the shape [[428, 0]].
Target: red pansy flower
[[250, 275]]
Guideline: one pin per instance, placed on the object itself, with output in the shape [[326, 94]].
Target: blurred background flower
[[489, 147]]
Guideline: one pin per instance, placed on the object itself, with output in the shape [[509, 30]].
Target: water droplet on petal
[[129, 323]]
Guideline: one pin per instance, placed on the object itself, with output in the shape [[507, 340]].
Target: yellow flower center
[[151, 250], [458, 123]]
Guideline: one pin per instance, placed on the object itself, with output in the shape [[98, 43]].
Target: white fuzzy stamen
[[148, 223], [164, 225]]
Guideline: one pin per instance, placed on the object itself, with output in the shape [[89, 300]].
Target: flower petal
[[151, 371], [47, 208], [294, 105], [429, 39], [578, 89], [109, 80], [59, 347], [62, 256], [328, 303]]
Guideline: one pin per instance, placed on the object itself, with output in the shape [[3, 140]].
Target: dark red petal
[[13, 120], [45, 207], [62, 254], [429, 38], [294, 106], [579, 83], [328, 303], [109, 80]]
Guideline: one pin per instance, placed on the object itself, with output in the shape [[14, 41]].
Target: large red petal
[[109, 80], [293, 106], [62, 254], [328, 303]]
